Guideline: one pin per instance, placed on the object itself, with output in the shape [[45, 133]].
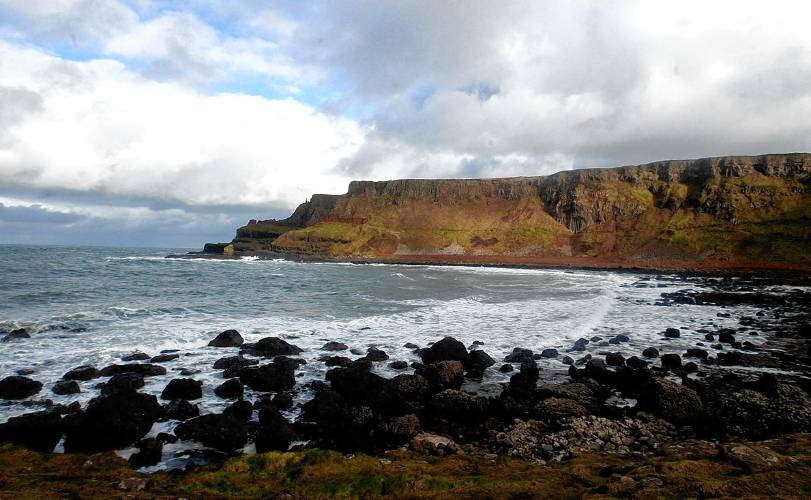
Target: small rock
[[672, 333], [65, 387], [651, 352], [228, 338], [549, 353], [334, 346], [433, 444]]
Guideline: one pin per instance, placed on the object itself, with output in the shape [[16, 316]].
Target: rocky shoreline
[[606, 403]]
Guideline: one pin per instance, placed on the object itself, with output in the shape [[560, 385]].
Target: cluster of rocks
[[355, 409]]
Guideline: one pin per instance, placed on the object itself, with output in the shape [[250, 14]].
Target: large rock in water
[[222, 432], [17, 387], [183, 388], [84, 372], [673, 402], [145, 369], [447, 349], [228, 338], [478, 362], [269, 347], [112, 422], [40, 431], [276, 376]]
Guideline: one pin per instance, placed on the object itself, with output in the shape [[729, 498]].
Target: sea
[[93, 305]]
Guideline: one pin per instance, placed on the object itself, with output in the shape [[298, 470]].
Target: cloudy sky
[[162, 123]]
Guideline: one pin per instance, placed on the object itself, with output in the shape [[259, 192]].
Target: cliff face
[[727, 211]]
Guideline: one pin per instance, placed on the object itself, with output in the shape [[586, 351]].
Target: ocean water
[[93, 305]]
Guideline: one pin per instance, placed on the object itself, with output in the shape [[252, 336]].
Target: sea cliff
[[724, 212]]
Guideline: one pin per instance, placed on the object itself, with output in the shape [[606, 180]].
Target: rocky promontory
[[730, 212]]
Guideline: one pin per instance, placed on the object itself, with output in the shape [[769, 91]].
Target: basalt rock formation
[[725, 212]]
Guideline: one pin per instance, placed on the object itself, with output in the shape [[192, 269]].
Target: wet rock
[[567, 360], [554, 409], [447, 349], [615, 359], [506, 368], [635, 362], [135, 356], [726, 336], [619, 339], [334, 346], [549, 353], [111, 422], [163, 358], [183, 388], [710, 337], [597, 369], [230, 389], [694, 352], [221, 432], [122, 383], [398, 365], [444, 374], [65, 387], [241, 410], [650, 352], [375, 354], [580, 344], [276, 376], [269, 347], [40, 431], [145, 369], [690, 367], [18, 387], [582, 361], [673, 402], [283, 401], [181, 410], [337, 361], [411, 345], [356, 384], [478, 361], [18, 334], [26, 371], [228, 338], [672, 333], [433, 444], [519, 355], [275, 433], [671, 361], [149, 453], [234, 362]]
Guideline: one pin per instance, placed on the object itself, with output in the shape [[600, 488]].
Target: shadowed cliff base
[[736, 212]]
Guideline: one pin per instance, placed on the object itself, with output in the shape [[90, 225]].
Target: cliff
[[725, 212]]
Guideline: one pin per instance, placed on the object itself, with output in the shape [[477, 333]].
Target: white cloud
[[100, 127]]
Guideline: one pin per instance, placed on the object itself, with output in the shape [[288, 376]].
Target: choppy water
[[92, 305]]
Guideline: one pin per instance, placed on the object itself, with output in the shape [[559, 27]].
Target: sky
[[171, 123]]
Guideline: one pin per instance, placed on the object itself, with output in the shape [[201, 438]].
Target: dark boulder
[[122, 383], [694, 352], [228, 338], [411, 345], [478, 361], [40, 431], [241, 410], [221, 432], [671, 361], [18, 387], [150, 452], [635, 362], [597, 369], [276, 376], [673, 402], [84, 372], [549, 353], [567, 360], [506, 368], [398, 365], [375, 354], [454, 405], [20, 333], [334, 346], [651, 352], [580, 345], [145, 369], [357, 384], [111, 422], [337, 361], [163, 358], [283, 401], [269, 347], [230, 389], [234, 362], [181, 410], [135, 356], [617, 339], [672, 333], [553, 410], [726, 336], [444, 374], [65, 387], [615, 359], [183, 388], [447, 349], [519, 355], [275, 433]]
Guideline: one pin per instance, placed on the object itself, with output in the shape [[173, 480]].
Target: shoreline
[[567, 263]]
